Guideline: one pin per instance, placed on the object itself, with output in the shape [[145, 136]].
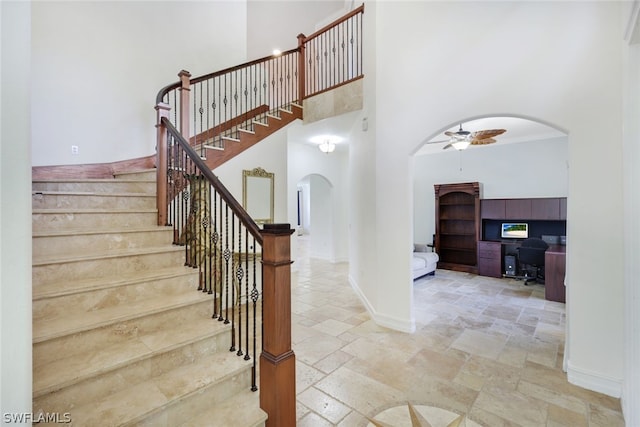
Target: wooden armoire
[[458, 225]]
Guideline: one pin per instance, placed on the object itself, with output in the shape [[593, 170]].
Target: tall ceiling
[[517, 130]]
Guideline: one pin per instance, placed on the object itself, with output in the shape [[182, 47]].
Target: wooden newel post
[[185, 88], [277, 361], [301, 67], [162, 110]]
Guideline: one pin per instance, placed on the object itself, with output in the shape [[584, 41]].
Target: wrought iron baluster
[[227, 255], [233, 286], [254, 298], [239, 275], [246, 293], [215, 271]]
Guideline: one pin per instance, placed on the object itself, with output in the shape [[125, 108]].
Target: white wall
[[305, 161], [556, 62], [282, 21], [363, 236], [97, 67], [271, 155], [321, 217], [526, 169], [15, 218], [631, 390]]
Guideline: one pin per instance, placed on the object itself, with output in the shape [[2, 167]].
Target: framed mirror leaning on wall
[[257, 194]]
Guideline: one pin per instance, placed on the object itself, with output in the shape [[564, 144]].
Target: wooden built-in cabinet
[[457, 225], [555, 270], [544, 208], [490, 259], [493, 208]]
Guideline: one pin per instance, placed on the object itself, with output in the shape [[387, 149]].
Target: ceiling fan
[[461, 139]]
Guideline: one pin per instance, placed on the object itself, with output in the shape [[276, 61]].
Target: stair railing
[[247, 270], [332, 56], [239, 263]]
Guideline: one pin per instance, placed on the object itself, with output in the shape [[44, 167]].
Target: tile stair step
[[77, 334], [68, 243], [137, 359], [80, 295], [167, 399], [78, 322], [91, 200], [73, 287], [240, 410], [121, 326], [46, 271], [91, 219], [96, 185]]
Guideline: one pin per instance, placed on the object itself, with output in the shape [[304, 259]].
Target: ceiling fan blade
[[488, 133], [484, 141], [447, 146], [438, 142]]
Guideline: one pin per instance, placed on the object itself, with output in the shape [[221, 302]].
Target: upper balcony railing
[[332, 56], [210, 109]]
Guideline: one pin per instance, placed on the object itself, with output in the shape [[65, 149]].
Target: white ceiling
[[517, 130], [338, 128]]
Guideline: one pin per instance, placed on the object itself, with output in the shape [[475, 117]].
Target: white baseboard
[[594, 381], [381, 319]]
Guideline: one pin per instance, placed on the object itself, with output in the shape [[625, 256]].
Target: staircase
[[121, 336], [219, 147]]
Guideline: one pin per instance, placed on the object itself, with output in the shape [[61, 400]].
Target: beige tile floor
[[488, 349]]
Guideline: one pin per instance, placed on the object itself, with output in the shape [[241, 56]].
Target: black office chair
[[531, 258]]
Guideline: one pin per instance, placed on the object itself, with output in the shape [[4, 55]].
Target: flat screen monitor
[[515, 230]]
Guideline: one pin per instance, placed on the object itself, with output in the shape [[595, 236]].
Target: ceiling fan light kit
[[460, 144], [461, 139]]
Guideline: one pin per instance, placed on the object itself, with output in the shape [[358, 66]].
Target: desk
[[554, 270], [491, 263]]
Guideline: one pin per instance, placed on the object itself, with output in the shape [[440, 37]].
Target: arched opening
[[530, 160], [315, 216]]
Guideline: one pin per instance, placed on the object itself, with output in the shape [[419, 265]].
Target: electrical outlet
[[74, 149]]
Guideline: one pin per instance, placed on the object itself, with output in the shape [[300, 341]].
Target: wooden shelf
[[457, 225]]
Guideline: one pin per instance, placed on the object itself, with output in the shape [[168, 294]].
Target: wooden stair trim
[[229, 124], [247, 140], [93, 171]]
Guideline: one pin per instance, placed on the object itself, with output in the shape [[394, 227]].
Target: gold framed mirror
[[257, 194]]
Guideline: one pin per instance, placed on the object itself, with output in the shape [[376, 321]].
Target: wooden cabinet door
[[518, 208], [554, 271], [493, 208], [545, 209], [563, 208], [490, 259]]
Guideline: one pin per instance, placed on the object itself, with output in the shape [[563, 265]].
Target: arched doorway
[[316, 216], [529, 160]]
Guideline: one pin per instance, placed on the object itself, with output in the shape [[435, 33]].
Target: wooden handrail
[[335, 23], [172, 86], [235, 206]]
